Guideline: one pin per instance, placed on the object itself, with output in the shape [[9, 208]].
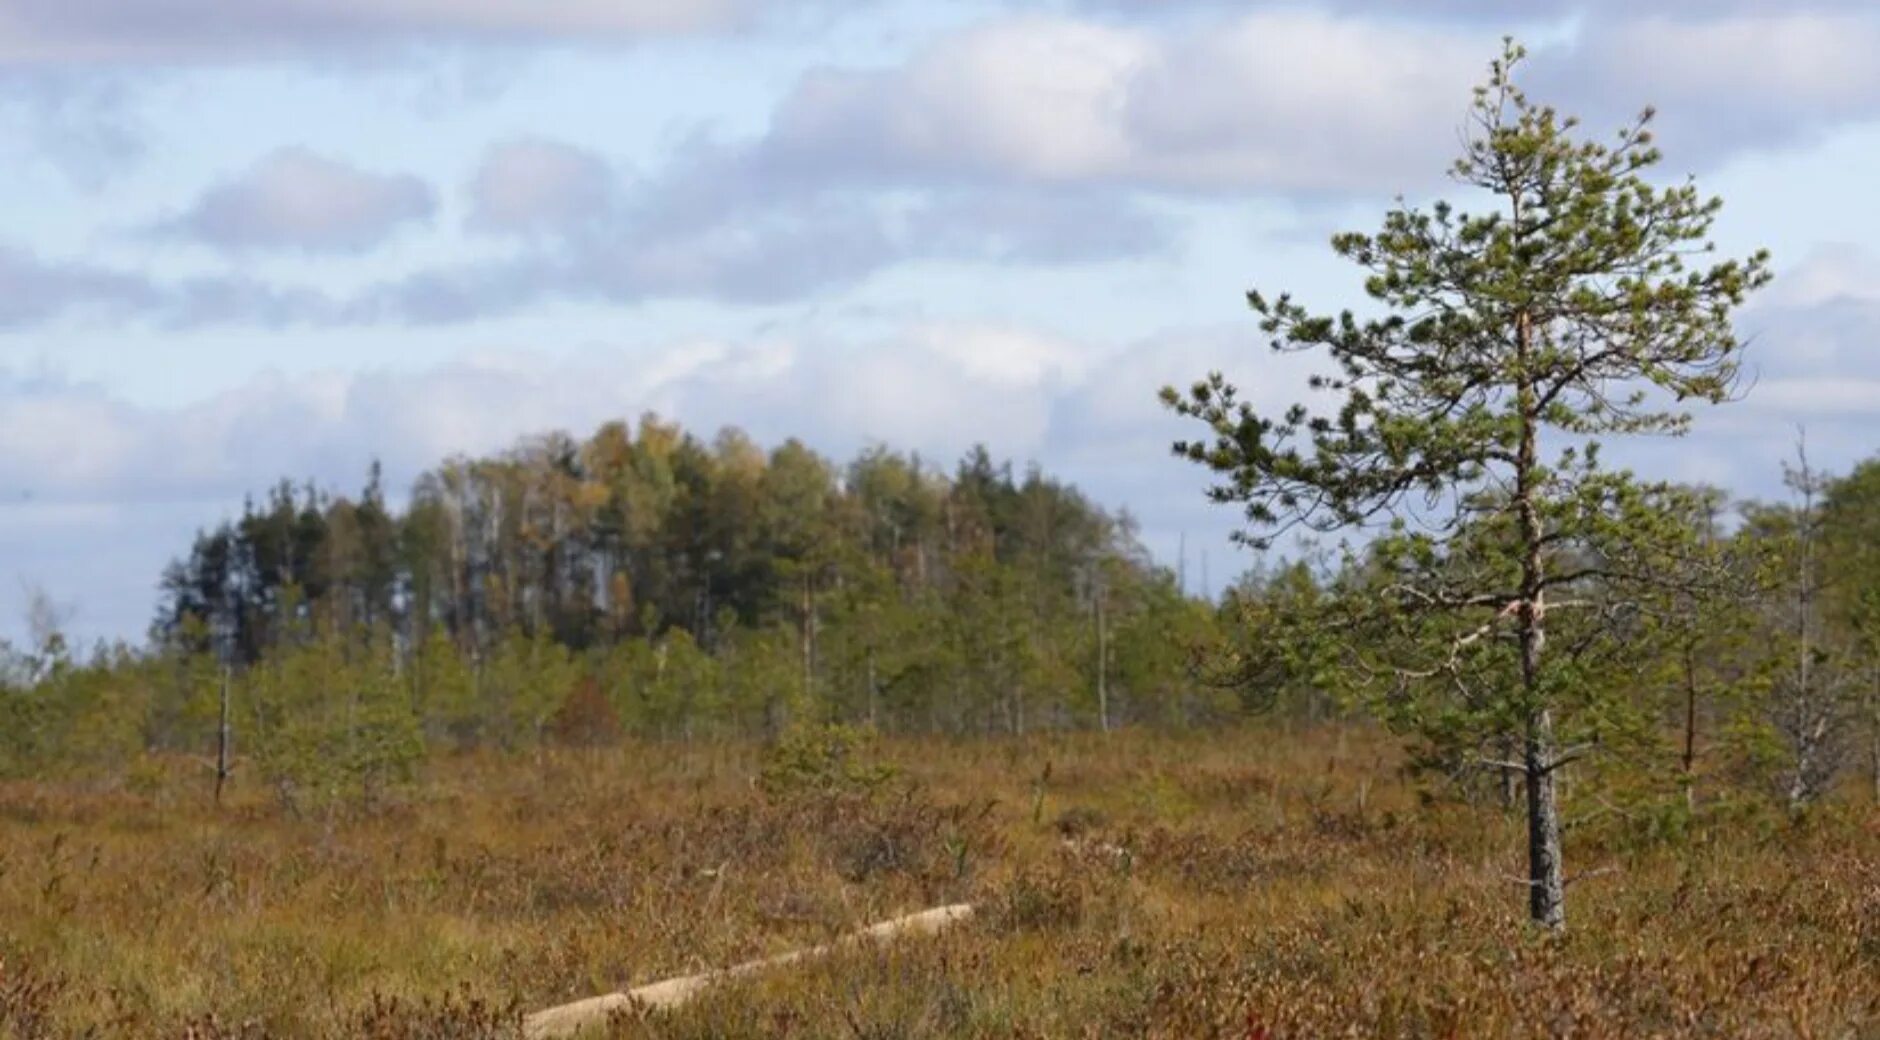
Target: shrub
[[823, 762]]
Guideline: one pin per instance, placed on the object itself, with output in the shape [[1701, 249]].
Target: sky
[[284, 238]]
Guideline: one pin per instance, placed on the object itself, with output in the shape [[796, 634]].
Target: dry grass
[[1249, 885]]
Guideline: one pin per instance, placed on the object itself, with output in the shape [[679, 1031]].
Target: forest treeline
[[644, 583], [640, 582]]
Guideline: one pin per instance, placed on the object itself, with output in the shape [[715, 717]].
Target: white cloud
[[1086, 411], [1036, 97], [63, 442], [934, 389], [100, 31], [1294, 101], [1009, 357], [295, 199], [1298, 102], [1004, 143], [1291, 100], [1744, 79], [1022, 139], [1786, 59]]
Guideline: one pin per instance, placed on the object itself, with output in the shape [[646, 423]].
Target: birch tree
[[1458, 427]]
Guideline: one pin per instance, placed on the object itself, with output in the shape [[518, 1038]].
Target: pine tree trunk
[[1547, 890]]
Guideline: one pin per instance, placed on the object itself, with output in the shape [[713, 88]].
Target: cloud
[[1809, 345], [107, 31], [1748, 79], [1303, 104], [37, 292], [613, 258], [534, 185], [720, 230], [141, 477], [78, 450], [34, 291], [1297, 102], [1809, 366], [1832, 272], [1033, 97], [293, 199], [1497, 12], [1044, 139], [580, 230], [1063, 226], [1022, 139], [1292, 100], [72, 443], [80, 125]]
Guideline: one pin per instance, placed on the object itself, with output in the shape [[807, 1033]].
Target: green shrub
[[823, 761]]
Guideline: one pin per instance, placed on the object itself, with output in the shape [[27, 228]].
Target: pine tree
[[1565, 312]]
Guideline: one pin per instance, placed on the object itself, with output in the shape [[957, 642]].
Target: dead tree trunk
[[222, 768], [1690, 727], [584, 1016], [1103, 664]]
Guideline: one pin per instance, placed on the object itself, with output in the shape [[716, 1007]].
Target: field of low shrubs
[[1255, 883]]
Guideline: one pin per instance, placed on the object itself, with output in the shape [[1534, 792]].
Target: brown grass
[[1249, 884]]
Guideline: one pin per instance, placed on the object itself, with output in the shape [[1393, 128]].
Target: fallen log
[[570, 1019]]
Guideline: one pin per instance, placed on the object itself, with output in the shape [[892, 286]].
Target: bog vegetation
[[1266, 881], [595, 711]]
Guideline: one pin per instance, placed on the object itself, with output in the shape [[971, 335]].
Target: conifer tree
[[1464, 416]]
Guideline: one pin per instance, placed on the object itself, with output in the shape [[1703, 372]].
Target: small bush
[[822, 762]]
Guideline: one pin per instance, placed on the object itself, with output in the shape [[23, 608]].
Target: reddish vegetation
[[1251, 885]]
